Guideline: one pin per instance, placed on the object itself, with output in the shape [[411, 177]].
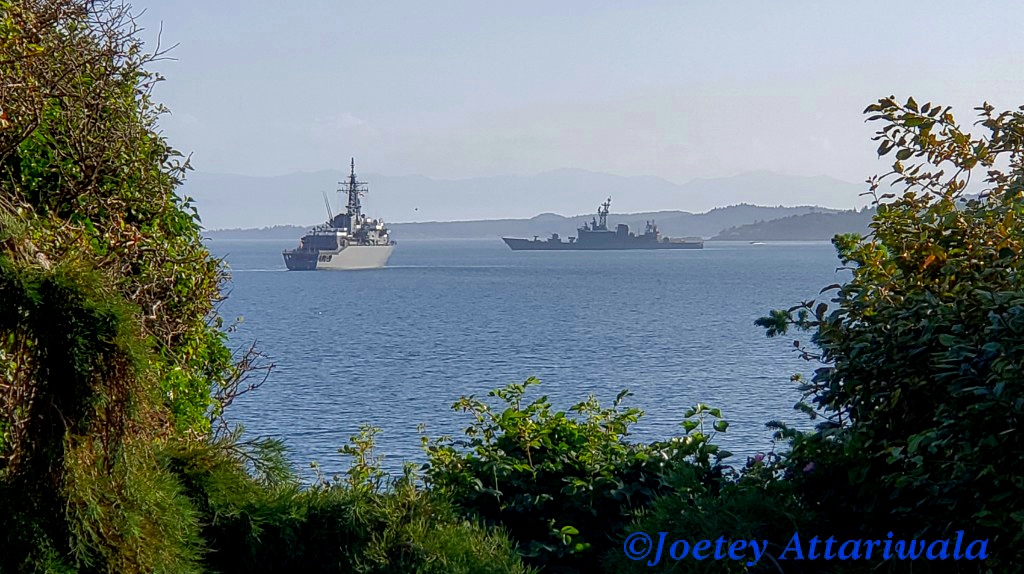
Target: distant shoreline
[[714, 240], [742, 222]]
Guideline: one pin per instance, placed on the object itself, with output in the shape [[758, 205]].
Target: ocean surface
[[395, 347]]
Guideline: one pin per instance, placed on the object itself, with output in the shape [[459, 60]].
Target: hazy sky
[[678, 89]]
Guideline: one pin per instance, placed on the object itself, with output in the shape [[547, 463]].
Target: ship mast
[[602, 213], [354, 189]]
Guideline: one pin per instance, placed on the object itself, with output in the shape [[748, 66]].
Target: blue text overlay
[[654, 550]]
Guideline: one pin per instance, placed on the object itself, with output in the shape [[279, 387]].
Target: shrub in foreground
[[752, 504], [566, 484], [921, 354], [260, 519]]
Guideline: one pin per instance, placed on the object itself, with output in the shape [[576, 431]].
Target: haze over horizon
[[295, 199], [460, 90]]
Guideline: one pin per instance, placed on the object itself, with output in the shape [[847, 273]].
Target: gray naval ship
[[597, 236], [348, 240]]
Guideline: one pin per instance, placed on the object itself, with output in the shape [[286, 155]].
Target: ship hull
[[535, 245], [348, 258]]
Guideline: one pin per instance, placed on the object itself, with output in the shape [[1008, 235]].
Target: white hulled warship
[[348, 240], [596, 236]]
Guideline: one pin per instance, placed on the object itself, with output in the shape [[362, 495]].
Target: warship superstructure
[[596, 236], [348, 240]]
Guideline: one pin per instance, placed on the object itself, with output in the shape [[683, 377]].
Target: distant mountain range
[[671, 223], [235, 201]]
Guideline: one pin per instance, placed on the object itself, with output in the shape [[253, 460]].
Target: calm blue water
[[396, 347]]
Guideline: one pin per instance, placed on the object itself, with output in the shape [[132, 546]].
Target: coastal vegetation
[[115, 371], [114, 366], [819, 226]]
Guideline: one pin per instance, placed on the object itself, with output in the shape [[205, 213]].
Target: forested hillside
[[804, 227]]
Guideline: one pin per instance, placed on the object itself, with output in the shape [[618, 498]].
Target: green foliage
[[107, 296], [81, 489], [273, 525], [921, 353], [110, 348], [132, 517], [64, 329], [564, 484], [85, 176], [751, 505], [364, 473]]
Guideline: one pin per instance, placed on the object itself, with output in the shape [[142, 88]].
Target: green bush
[[85, 176], [565, 484], [272, 524], [922, 352], [107, 343], [80, 487], [750, 505]]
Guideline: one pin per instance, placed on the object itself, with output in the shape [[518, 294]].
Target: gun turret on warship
[[597, 236], [348, 240]]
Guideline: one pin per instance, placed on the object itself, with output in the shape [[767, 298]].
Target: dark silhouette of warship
[[595, 236]]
